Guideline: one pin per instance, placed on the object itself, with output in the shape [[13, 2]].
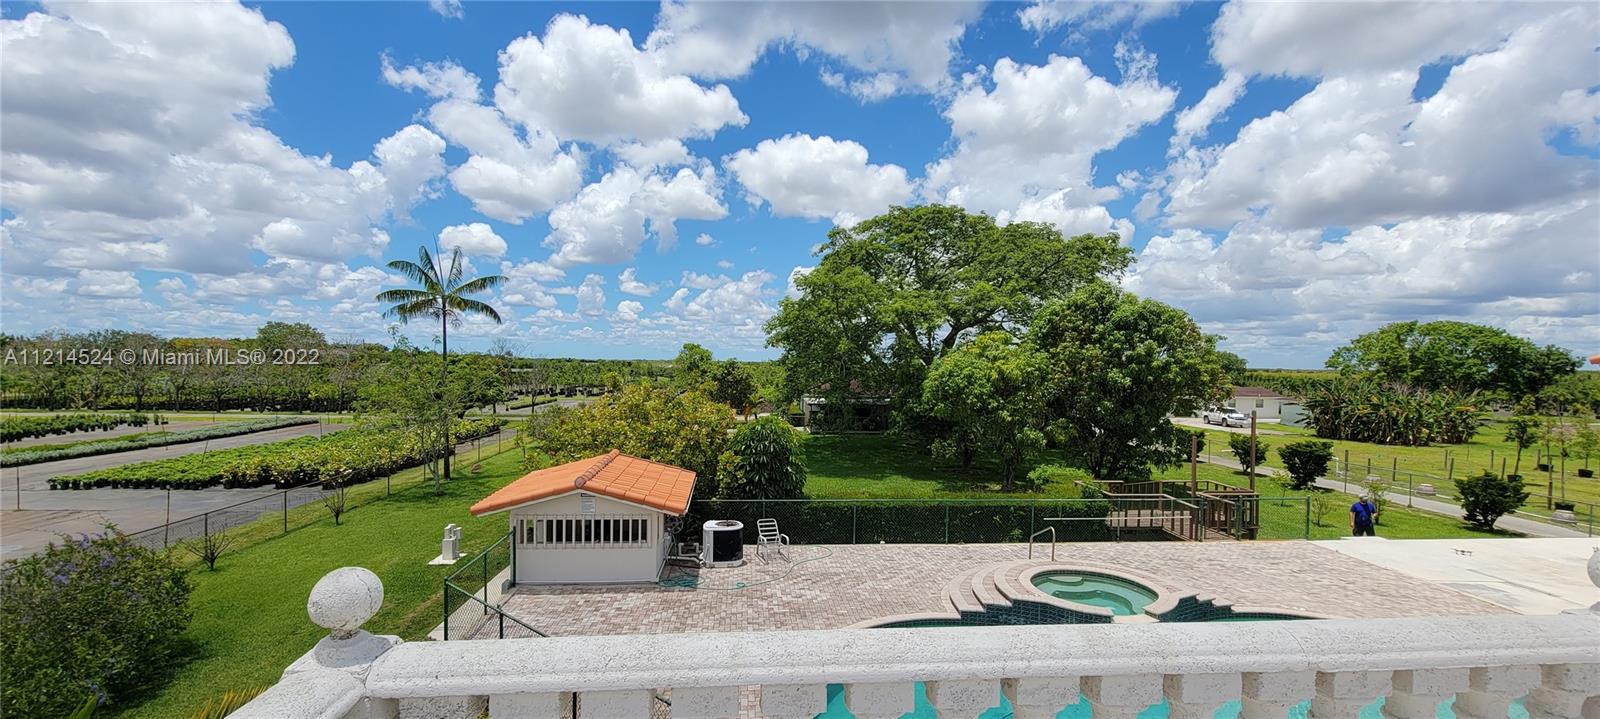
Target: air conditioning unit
[[722, 543]]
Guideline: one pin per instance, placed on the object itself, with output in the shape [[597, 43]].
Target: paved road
[[36, 476], [1510, 523], [108, 434], [1262, 428], [46, 514]]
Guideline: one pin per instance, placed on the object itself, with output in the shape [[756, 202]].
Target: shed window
[[1260, 403], [587, 530]]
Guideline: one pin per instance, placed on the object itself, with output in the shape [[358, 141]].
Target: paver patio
[[823, 587]]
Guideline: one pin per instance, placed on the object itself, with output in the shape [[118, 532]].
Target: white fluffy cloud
[[1046, 15], [592, 296], [1359, 149], [589, 82], [475, 238], [1193, 121], [178, 176], [510, 174], [447, 8], [1025, 147], [628, 311], [629, 284], [609, 220], [818, 177], [904, 43]]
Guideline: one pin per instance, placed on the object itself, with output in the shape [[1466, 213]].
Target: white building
[[596, 520], [1266, 403]]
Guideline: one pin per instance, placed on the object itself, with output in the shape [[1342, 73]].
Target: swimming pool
[[1002, 709], [1124, 597]]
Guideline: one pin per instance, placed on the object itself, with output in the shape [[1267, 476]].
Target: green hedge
[[348, 457], [903, 522], [18, 428], [22, 456]]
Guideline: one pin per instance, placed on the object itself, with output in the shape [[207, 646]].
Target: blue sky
[[1291, 174]]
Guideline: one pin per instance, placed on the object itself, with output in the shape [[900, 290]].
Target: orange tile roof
[[614, 474]]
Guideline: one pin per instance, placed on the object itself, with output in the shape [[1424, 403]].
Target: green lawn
[[1286, 519], [250, 614], [1428, 464], [879, 466]]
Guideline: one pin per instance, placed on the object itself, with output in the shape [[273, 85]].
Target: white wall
[[1270, 407], [579, 564]]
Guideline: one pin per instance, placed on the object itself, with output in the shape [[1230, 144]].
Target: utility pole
[[1252, 450]]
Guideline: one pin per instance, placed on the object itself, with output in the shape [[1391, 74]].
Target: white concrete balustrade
[[1483, 662]]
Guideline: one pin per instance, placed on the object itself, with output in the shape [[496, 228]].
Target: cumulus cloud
[[475, 238], [609, 220], [818, 177], [1360, 149], [628, 311], [447, 8], [629, 284], [179, 177], [592, 296], [1193, 121], [1046, 15], [589, 82], [704, 240], [1025, 146], [907, 44]]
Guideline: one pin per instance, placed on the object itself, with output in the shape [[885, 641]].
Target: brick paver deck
[[824, 587]]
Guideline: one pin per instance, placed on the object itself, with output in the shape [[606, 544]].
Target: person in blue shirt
[[1363, 516]]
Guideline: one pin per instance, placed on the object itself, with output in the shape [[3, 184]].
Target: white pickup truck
[[1224, 416]]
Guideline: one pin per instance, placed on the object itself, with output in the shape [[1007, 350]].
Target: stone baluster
[[1036, 698], [886, 700], [1198, 696], [1271, 695], [1564, 690], [1341, 695], [621, 703], [705, 702], [1490, 691], [1122, 697], [793, 701], [963, 697], [1418, 692], [545, 705]]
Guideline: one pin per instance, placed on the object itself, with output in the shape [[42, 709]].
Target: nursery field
[[37, 453], [347, 457], [268, 582]]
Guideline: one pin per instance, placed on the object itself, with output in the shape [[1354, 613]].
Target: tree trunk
[[1516, 467], [444, 374]]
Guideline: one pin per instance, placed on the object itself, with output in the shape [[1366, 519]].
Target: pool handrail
[[1052, 531]]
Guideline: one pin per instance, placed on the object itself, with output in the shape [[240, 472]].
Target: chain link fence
[[277, 513], [1547, 501], [472, 595]]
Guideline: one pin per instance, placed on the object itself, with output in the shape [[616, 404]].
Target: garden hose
[[691, 581]]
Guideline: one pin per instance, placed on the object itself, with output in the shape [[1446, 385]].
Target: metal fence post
[[285, 511], [853, 509], [946, 524], [447, 610], [486, 582], [205, 524]]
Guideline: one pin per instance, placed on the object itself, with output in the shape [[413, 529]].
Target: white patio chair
[[767, 535]]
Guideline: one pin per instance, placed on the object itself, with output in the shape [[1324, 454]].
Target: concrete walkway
[[1528, 576], [1510, 523]]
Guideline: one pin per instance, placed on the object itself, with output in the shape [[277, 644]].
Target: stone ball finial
[[1594, 567], [344, 599]]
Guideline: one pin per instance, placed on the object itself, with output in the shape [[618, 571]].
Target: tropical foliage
[[22, 456], [991, 391], [18, 428], [93, 616], [764, 460], [348, 457], [686, 429], [1488, 496], [1457, 356], [1239, 445], [1363, 409]]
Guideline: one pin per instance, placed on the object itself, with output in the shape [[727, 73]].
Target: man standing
[[1363, 515]]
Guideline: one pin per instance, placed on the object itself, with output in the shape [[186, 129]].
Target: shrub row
[[530, 402], [110, 446], [17, 428], [347, 457]]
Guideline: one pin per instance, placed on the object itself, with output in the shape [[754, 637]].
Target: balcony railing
[[1484, 663]]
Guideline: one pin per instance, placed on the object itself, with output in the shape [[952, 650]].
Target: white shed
[[1266, 403], [596, 520]]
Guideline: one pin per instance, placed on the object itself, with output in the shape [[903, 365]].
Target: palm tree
[[440, 294]]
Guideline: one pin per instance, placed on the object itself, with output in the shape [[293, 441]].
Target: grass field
[[1428, 464], [250, 614]]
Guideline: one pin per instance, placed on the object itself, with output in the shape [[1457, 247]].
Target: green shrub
[[1487, 497], [15, 428], [1045, 475], [764, 460], [1306, 460], [97, 616], [1239, 444], [22, 456]]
